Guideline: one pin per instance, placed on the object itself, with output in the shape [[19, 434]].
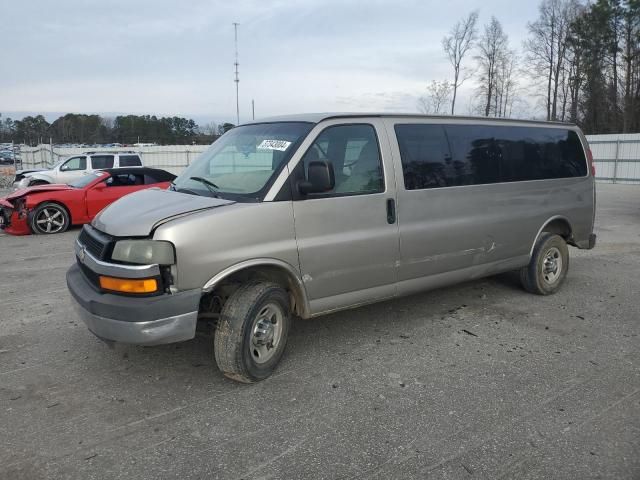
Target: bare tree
[[210, 128], [456, 45], [506, 84], [547, 49], [108, 123], [437, 98], [493, 47]]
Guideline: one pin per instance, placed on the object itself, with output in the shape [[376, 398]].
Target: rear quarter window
[[102, 161], [540, 154], [130, 161], [150, 179]]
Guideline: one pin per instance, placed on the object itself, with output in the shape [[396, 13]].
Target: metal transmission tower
[[237, 79]]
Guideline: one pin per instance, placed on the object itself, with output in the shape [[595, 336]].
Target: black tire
[[58, 215], [35, 183], [539, 276], [246, 319]]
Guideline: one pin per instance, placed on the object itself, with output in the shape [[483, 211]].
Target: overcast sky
[[176, 57]]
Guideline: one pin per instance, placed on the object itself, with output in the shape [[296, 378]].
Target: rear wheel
[[548, 266], [252, 331], [49, 218], [34, 183]]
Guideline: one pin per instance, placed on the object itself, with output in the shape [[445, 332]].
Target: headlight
[[144, 252]]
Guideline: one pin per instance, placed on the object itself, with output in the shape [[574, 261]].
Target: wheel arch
[[558, 224], [270, 269]]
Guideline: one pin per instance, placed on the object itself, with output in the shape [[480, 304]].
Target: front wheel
[[49, 218], [252, 331], [548, 266]]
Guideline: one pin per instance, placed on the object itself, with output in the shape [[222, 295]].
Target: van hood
[[25, 172], [139, 213]]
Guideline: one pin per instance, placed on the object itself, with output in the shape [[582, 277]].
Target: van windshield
[[243, 163]]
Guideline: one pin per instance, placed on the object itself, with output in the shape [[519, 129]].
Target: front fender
[[40, 176], [294, 280]]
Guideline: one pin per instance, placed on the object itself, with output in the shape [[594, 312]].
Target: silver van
[[306, 215]]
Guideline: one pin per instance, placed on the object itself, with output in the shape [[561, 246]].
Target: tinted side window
[[541, 153], [354, 153], [426, 159], [476, 153], [130, 161], [102, 161], [125, 180], [450, 155], [574, 161]]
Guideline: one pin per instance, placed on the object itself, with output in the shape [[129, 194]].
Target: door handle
[[391, 211]]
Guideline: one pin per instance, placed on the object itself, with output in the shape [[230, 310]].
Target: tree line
[[84, 129], [580, 61]]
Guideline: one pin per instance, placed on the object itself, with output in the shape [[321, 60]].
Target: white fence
[[616, 157], [173, 158]]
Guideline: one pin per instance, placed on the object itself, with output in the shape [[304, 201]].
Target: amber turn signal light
[[129, 285]]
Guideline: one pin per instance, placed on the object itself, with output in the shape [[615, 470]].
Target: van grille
[[97, 243], [93, 277]]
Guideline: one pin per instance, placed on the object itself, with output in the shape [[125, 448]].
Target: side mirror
[[100, 186], [64, 168], [320, 178]]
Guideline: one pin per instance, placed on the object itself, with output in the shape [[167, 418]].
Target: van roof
[[318, 117]]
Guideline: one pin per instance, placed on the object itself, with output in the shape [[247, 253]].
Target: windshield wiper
[[210, 185], [175, 188], [183, 190]]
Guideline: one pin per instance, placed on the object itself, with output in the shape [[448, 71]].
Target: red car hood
[[37, 189]]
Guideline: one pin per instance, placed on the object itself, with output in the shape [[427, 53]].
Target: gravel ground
[[480, 380]]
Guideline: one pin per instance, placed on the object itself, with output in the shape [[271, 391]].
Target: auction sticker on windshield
[[280, 145]]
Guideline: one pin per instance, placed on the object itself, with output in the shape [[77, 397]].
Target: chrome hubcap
[[552, 265], [266, 333], [50, 220]]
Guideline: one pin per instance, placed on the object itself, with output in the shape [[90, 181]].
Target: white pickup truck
[[68, 169]]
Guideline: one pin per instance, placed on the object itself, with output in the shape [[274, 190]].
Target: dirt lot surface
[[481, 380]]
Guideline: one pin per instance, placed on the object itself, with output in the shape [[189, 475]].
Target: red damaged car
[[46, 209]]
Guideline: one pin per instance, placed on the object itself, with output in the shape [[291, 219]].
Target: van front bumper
[[140, 321]]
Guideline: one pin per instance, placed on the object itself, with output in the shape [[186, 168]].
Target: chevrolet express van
[[306, 215]]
